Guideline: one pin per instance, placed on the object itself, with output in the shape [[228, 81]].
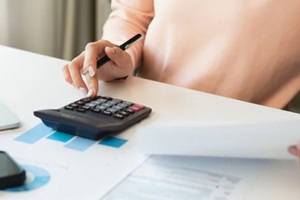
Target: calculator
[[95, 117]]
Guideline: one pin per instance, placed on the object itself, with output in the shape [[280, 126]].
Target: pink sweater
[[247, 50]]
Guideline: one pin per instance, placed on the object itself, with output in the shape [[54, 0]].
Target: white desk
[[30, 81]]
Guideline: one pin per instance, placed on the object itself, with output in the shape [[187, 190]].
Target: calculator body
[[94, 118]]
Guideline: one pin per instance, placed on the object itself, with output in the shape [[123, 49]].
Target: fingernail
[[90, 93], [82, 90], [91, 71], [111, 50]]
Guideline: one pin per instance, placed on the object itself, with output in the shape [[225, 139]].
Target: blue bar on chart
[[60, 136], [80, 144], [34, 134], [113, 142]]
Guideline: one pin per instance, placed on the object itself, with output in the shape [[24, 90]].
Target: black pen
[[123, 46]]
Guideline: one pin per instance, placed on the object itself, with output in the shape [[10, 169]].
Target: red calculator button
[[136, 107]]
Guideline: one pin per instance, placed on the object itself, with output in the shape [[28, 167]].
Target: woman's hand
[[120, 66], [295, 150]]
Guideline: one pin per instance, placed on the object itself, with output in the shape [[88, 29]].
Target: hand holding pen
[[96, 55], [123, 47]]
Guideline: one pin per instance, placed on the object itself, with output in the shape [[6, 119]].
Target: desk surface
[[30, 81]]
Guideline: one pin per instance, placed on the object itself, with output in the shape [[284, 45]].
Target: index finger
[[92, 85], [93, 51]]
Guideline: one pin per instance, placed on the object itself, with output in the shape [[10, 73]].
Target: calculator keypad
[[108, 106], [94, 118]]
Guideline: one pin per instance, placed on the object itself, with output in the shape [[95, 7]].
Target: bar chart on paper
[[55, 161], [41, 131], [168, 178]]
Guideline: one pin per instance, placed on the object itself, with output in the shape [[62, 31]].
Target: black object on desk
[[11, 173], [94, 118]]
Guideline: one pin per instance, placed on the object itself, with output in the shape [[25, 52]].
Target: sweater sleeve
[[129, 17]]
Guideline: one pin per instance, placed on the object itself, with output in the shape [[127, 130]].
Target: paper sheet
[[192, 178], [221, 139], [62, 166]]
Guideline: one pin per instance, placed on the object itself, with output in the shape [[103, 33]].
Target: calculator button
[[117, 107], [85, 107], [74, 105], [90, 105], [136, 107], [101, 107], [106, 104], [69, 107], [101, 100], [121, 106], [96, 110], [95, 102], [127, 103], [112, 110], [80, 110], [124, 113], [105, 112], [129, 111], [113, 103], [118, 116]]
